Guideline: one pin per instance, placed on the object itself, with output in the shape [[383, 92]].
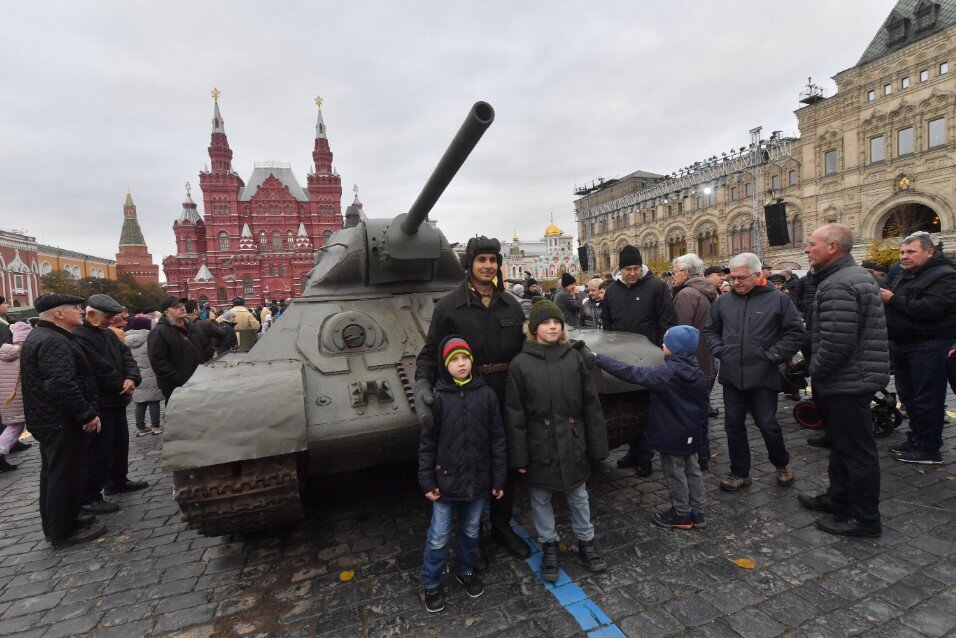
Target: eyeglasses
[[741, 278]]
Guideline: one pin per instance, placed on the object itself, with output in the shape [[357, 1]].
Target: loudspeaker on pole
[[776, 217]]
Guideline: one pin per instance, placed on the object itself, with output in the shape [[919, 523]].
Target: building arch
[[876, 219]]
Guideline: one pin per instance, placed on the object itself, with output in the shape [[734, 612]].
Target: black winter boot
[[592, 558], [549, 562]]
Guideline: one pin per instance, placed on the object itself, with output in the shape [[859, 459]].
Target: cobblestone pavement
[[152, 576]]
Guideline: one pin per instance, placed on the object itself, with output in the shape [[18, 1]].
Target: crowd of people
[[69, 376], [502, 392]]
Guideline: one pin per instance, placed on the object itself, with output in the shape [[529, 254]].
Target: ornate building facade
[[133, 257], [78, 264], [256, 240], [19, 269], [545, 259], [879, 155]]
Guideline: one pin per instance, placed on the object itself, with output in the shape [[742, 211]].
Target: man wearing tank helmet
[[492, 324]]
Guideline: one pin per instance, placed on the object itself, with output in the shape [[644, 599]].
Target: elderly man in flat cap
[[108, 454], [60, 402]]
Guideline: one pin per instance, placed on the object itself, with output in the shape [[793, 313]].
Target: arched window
[[223, 240], [290, 239], [76, 272], [274, 209], [281, 270], [46, 268], [263, 239], [272, 270], [221, 295], [796, 231], [247, 287], [276, 240], [607, 258]]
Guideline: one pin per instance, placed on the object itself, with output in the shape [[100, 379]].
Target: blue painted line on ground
[[594, 622]]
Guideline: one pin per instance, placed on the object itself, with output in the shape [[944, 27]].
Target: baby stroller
[[886, 416]]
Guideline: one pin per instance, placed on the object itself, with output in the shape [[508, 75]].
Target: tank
[[328, 388]]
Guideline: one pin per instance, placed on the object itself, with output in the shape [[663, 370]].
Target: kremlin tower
[[133, 257]]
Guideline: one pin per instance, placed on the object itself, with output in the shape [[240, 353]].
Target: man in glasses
[[60, 404], [117, 375], [752, 330]]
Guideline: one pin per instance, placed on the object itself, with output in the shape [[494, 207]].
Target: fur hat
[[481, 245], [567, 279], [541, 311], [682, 339], [20, 331], [630, 256], [452, 345]]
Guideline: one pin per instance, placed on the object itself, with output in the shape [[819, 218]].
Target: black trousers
[[854, 469], [62, 470], [502, 509], [107, 456]]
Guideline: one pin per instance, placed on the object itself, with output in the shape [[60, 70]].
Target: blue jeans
[[543, 514], [439, 533], [920, 373], [762, 404]]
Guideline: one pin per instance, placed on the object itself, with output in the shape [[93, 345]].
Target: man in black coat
[[850, 362], [752, 330], [108, 452], [567, 300], [175, 349], [921, 319], [638, 302], [60, 404], [492, 323]]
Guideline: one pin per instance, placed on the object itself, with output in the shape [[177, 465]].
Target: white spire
[[245, 230], [319, 122], [217, 123], [302, 232], [203, 274]]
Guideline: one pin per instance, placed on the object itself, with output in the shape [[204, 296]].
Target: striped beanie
[[452, 345]]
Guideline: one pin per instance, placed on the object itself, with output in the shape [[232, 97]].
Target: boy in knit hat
[[679, 393], [461, 461], [555, 430]]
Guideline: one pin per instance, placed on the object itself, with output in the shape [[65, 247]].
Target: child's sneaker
[[670, 518], [472, 584], [142, 431], [591, 556], [697, 518], [549, 562], [435, 599]]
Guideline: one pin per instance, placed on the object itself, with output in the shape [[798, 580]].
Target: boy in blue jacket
[[462, 460], [678, 414]]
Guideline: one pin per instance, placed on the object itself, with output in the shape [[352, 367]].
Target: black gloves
[[423, 402]]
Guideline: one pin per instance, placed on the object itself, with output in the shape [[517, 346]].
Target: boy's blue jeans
[[439, 533]]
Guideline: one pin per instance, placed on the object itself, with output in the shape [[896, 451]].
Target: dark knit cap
[[567, 279], [630, 256], [53, 300], [682, 339], [541, 311]]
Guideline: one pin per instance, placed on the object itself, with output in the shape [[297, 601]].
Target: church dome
[[552, 230]]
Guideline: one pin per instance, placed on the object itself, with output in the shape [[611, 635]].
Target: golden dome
[[552, 230]]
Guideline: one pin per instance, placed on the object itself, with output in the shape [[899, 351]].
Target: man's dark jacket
[[848, 334], [570, 307], [590, 316], [923, 305], [553, 417], [679, 396], [174, 353], [645, 308], [59, 386], [495, 333], [752, 334], [211, 334], [463, 452], [803, 296], [121, 364]]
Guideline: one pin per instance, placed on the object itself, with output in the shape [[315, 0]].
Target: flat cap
[[104, 303], [53, 300], [169, 302], [716, 270]]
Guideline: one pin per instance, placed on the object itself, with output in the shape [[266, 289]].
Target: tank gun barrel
[[478, 120]]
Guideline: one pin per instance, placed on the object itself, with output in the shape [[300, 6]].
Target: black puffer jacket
[[553, 416], [174, 353], [463, 452], [806, 288], [923, 305], [59, 386], [645, 308], [494, 333], [119, 359], [848, 338], [751, 335]]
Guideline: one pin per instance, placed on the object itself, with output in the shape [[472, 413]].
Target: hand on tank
[[434, 495], [93, 425], [497, 493]]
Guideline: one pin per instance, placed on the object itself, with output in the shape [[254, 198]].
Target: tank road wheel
[[239, 497], [625, 415]]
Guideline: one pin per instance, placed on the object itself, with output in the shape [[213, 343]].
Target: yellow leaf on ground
[[746, 563], [346, 576]]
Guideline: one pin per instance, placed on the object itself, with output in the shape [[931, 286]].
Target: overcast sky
[[101, 96]]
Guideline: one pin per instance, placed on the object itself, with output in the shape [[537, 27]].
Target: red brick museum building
[[257, 239]]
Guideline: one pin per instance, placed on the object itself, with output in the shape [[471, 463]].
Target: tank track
[[239, 497], [625, 414]]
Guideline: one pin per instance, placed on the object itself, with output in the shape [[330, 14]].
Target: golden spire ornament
[[318, 101], [189, 187], [215, 94]]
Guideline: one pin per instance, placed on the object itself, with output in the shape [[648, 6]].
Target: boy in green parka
[[555, 429]]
